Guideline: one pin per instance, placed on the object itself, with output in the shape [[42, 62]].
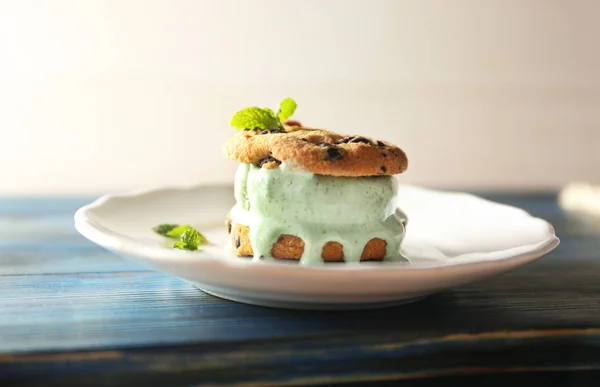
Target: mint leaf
[[255, 117], [165, 228], [178, 231], [192, 239], [287, 107]]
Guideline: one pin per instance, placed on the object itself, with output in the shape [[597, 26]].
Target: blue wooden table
[[72, 313]]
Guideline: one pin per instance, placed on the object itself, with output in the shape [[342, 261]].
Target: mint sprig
[[251, 118], [189, 238], [192, 239]]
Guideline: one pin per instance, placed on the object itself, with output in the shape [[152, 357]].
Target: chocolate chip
[[229, 227], [361, 140], [380, 144], [383, 169], [334, 153], [384, 154], [303, 139], [269, 131], [354, 139], [237, 242], [269, 159]]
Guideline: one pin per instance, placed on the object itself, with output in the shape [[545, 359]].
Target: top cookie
[[317, 151]]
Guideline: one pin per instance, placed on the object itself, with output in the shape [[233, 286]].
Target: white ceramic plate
[[452, 239]]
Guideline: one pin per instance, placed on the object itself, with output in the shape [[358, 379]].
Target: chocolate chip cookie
[[317, 151]]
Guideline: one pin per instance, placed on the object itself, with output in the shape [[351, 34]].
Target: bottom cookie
[[292, 247]]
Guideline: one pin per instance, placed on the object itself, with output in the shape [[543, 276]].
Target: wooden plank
[[300, 362], [42, 260]]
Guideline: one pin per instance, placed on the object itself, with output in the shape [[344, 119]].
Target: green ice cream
[[318, 209]]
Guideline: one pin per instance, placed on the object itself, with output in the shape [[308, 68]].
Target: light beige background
[[104, 96]]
